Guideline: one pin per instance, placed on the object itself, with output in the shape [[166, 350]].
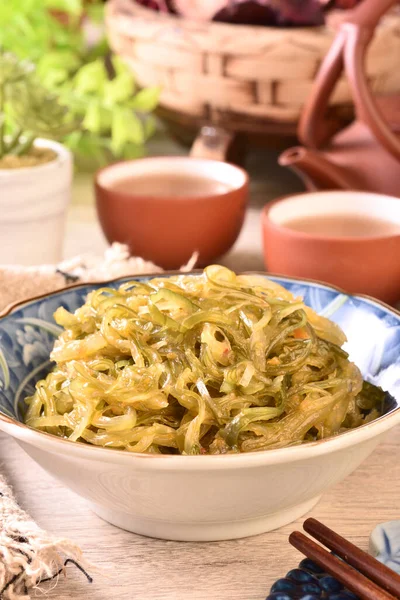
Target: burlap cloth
[[30, 556]]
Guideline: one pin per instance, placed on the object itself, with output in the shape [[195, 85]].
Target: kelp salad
[[199, 364]]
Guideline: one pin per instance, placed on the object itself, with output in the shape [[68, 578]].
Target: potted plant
[[58, 82], [65, 40], [35, 170]]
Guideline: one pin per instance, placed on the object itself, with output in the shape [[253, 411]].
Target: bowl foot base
[[203, 532]]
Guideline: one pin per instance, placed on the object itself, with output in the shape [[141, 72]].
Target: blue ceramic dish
[[136, 491], [309, 582], [384, 544]]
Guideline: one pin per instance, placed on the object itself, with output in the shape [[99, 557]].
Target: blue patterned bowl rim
[[274, 276], [282, 455]]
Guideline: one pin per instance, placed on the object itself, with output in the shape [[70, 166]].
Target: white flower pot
[[33, 204]]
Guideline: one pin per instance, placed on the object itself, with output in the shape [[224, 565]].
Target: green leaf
[[92, 120], [23, 24], [13, 71], [106, 116], [119, 132], [54, 78], [132, 151], [146, 100], [54, 68], [135, 128], [58, 59], [73, 140], [126, 127], [72, 7], [91, 77], [69, 77], [149, 127], [30, 105], [99, 50], [118, 89], [87, 145], [95, 12], [119, 65]]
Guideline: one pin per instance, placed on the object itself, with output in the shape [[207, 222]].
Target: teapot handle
[[366, 106], [348, 52]]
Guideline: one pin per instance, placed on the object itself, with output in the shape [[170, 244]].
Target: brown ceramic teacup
[[166, 208], [348, 239]]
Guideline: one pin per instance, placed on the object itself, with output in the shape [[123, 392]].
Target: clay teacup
[[172, 207], [364, 260]]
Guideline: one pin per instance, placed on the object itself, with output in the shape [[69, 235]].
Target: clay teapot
[[366, 154]]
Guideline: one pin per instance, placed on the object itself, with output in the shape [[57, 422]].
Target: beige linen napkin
[[28, 555], [18, 283]]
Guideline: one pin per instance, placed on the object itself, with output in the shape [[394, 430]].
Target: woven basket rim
[[206, 26], [245, 72]]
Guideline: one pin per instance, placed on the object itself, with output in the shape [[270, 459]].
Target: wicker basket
[[243, 77]]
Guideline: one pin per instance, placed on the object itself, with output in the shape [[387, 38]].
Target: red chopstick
[[357, 558], [363, 587]]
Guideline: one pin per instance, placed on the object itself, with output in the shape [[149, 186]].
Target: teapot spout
[[317, 172]]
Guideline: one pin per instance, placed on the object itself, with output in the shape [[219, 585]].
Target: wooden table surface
[[139, 568], [132, 567]]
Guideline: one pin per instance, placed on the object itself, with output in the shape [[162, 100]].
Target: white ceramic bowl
[[33, 206], [200, 498]]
